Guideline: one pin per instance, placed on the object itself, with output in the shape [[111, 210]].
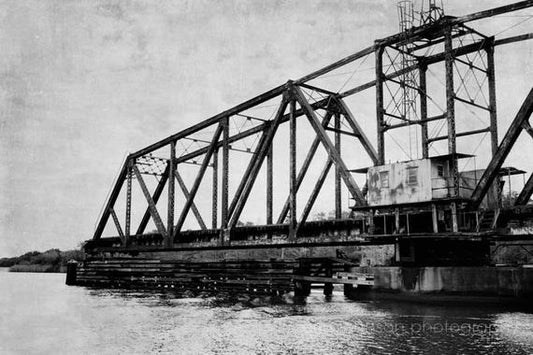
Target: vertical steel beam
[[315, 192], [397, 220], [450, 109], [434, 218], [330, 148], [423, 109], [371, 225], [269, 185], [111, 202], [379, 104], [151, 205], [491, 79], [198, 180], [455, 226], [155, 197], [128, 208], [214, 202], [292, 169], [338, 201], [303, 170], [225, 173], [171, 195], [187, 195]]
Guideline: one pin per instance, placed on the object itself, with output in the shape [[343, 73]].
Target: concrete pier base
[[456, 280]]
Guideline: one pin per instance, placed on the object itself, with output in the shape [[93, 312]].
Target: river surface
[[40, 315]]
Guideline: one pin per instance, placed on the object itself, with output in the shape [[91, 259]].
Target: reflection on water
[[39, 314]]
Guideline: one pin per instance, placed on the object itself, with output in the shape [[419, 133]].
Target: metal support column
[[379, 105], [423, 109], [434, 218], [171, 195], [338, 201], [303, 170], [450, 109], [491, 79], [214, 206], [396, 220], [269, 185], [455, 226], [371, 227], [225, 177], [292, 158], [128, 208]]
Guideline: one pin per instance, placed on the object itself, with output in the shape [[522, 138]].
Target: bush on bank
[[53, 260]]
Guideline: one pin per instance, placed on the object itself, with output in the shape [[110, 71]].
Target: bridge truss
[[462, 58]]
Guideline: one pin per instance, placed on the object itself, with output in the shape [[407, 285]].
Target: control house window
[[384, 179], [412, 175], [440, 170]]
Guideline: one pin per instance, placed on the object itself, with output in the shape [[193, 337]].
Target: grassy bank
[[53, 260], [33, 268]]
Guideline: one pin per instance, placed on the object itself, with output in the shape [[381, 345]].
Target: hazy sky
[[84, 82]]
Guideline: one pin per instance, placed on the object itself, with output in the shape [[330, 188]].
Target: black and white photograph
[[266, 177]]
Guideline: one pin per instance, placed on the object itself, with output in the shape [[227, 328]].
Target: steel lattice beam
[[117, 224], [330, 148], [198, 180], [503, 150], [155, 197], [187, 195], [357, 130], [151, 204], [230, 213], [257, 160], [525, 194], [314, 194], [303, 170]]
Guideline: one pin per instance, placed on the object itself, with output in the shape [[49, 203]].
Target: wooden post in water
[[72, 267], [328, 286]]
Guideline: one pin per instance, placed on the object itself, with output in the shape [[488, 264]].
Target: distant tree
[[49, 261], [323, 216], [320, 216], [244, 224]]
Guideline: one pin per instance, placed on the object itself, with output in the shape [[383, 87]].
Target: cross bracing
[[466, 61]]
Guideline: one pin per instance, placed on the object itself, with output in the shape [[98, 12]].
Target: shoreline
[[38, 268]]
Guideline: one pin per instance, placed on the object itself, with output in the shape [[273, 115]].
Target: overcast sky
[[84, 82]]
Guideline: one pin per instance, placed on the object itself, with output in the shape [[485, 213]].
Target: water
[[40, 315]]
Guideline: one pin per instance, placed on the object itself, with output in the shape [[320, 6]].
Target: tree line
[[53, 260]]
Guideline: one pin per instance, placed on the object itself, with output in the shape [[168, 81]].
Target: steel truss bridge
[[463, 58]]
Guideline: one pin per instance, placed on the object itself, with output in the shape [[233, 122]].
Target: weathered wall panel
[[400, 188]]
